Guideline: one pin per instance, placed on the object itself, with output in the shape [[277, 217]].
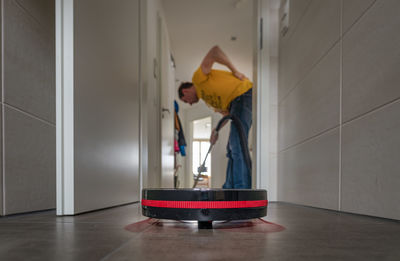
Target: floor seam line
[[126, 243]]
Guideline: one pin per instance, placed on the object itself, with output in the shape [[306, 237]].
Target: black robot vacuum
[[204, 205]]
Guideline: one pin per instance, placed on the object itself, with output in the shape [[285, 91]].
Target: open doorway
[[247, 31], [200, 145], [194, 27]]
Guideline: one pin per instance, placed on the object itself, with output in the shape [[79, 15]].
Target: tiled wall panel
[[297, 11], [308, 172], [352, 10], [29, 66], [29, 105], [362, 159], [42, 11], [30, 163], [301, 53], [371, 60], [312, 107], [371, 165]]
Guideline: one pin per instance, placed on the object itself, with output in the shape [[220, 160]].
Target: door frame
[[65, 107], [265, 104]]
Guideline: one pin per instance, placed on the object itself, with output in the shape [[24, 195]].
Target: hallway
[[87, 123], [293, 233]]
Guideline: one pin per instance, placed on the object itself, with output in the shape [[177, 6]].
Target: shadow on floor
[[245, 226]]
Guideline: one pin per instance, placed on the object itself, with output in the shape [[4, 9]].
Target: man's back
[[219, 88]]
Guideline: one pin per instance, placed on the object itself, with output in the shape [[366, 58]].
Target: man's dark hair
[[184, 85]]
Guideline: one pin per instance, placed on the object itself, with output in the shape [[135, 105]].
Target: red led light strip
[[204, 204]]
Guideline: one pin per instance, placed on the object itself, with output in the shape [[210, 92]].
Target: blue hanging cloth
[[179, 135]]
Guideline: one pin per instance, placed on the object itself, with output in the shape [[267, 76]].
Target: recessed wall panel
[[316, 33], [371, 60], [29, 60], [309, 172], [370, 164], [29, 163], [42, 11], [352, 10], [363, 108], [297, 9], [312, 107]]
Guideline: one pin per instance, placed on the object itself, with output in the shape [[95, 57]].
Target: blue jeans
[[238, 175]]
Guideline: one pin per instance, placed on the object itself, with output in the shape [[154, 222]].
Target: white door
[[97, 104]]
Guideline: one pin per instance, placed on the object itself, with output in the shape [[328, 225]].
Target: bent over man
[[228, 93]]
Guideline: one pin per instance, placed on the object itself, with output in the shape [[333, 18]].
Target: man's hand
[[214, 137], [239, 75], [223, 112]]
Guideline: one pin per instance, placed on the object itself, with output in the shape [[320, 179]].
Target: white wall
[[339, 105], [167, 107], [151, 178], [144, 99], [265, 105]]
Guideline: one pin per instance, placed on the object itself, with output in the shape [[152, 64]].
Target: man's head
[[187, 93]]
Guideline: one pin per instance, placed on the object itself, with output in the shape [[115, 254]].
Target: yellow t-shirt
[[219, 88]]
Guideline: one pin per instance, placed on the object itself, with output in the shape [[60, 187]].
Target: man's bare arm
[[217, 55]]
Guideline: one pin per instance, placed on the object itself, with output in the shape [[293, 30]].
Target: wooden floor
[[290, 232]]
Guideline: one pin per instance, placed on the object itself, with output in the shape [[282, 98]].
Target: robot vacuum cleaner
[[204, 205]]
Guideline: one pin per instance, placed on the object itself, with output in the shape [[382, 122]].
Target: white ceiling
[[195, 26]]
